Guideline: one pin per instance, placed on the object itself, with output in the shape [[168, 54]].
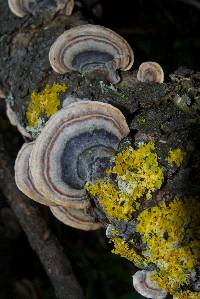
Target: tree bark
[[167, 113]]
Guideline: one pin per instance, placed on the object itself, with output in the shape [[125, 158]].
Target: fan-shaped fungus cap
[[68, 7], [73, 148], [146, 287], [91, 48], [20, 8], [150, 72], [76, 218], [23, 176], [23, 7]]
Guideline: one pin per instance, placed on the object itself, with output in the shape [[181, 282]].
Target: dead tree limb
[[43, 242]]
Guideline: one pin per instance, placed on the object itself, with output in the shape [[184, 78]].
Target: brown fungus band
[[21, 8], [23, 177], [75, 147], [77, 218], [150, 72], [91, 49]]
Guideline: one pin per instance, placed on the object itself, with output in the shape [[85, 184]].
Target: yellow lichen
[[138, 174], [171, 232], [44, 103], [175, 157], [188, 295], [123, 249]]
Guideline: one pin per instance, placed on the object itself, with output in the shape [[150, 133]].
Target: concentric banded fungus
[[23, 177], [20, 8], [76, 218], [23, 7], [146, 287], [90, 48], [150, 72], [73, 148]]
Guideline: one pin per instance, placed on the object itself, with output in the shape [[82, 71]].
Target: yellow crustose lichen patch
[[171, 233], [188, 295], [124, 250], [44, 103], [175, 157], [138, 174]]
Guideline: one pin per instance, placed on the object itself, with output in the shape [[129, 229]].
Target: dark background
[[162, 31]]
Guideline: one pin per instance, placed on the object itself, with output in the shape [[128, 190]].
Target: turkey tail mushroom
[[146, 287], [23, 176], [77, 218], [74, 147], [91, 49], [21, 8], [150, 72]]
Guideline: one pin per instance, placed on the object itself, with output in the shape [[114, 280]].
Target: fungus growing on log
[[73, 147], [150, 72], [21, 8], [23, 176], [147, 225], [91, 49], [77, 218], [146, 287]]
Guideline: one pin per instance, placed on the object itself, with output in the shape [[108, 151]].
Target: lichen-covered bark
[[166, 114]]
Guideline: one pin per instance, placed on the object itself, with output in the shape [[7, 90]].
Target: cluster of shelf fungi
[[83, 135]]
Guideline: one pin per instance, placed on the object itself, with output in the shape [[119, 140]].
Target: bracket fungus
[[74, 147], [146, 287], [23, 177], [21, 8], [77, 218], [91, 49], [150, 72]]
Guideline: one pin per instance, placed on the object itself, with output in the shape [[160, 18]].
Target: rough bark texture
[[166, 113]]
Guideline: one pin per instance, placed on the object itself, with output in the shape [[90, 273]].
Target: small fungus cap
[[76, 218], [73, 148], [150, 72], [23, 176], [146, 287], [91, 48], [68, 8], [21, 8]]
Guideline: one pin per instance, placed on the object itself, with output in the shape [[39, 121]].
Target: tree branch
[[43, 242]]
